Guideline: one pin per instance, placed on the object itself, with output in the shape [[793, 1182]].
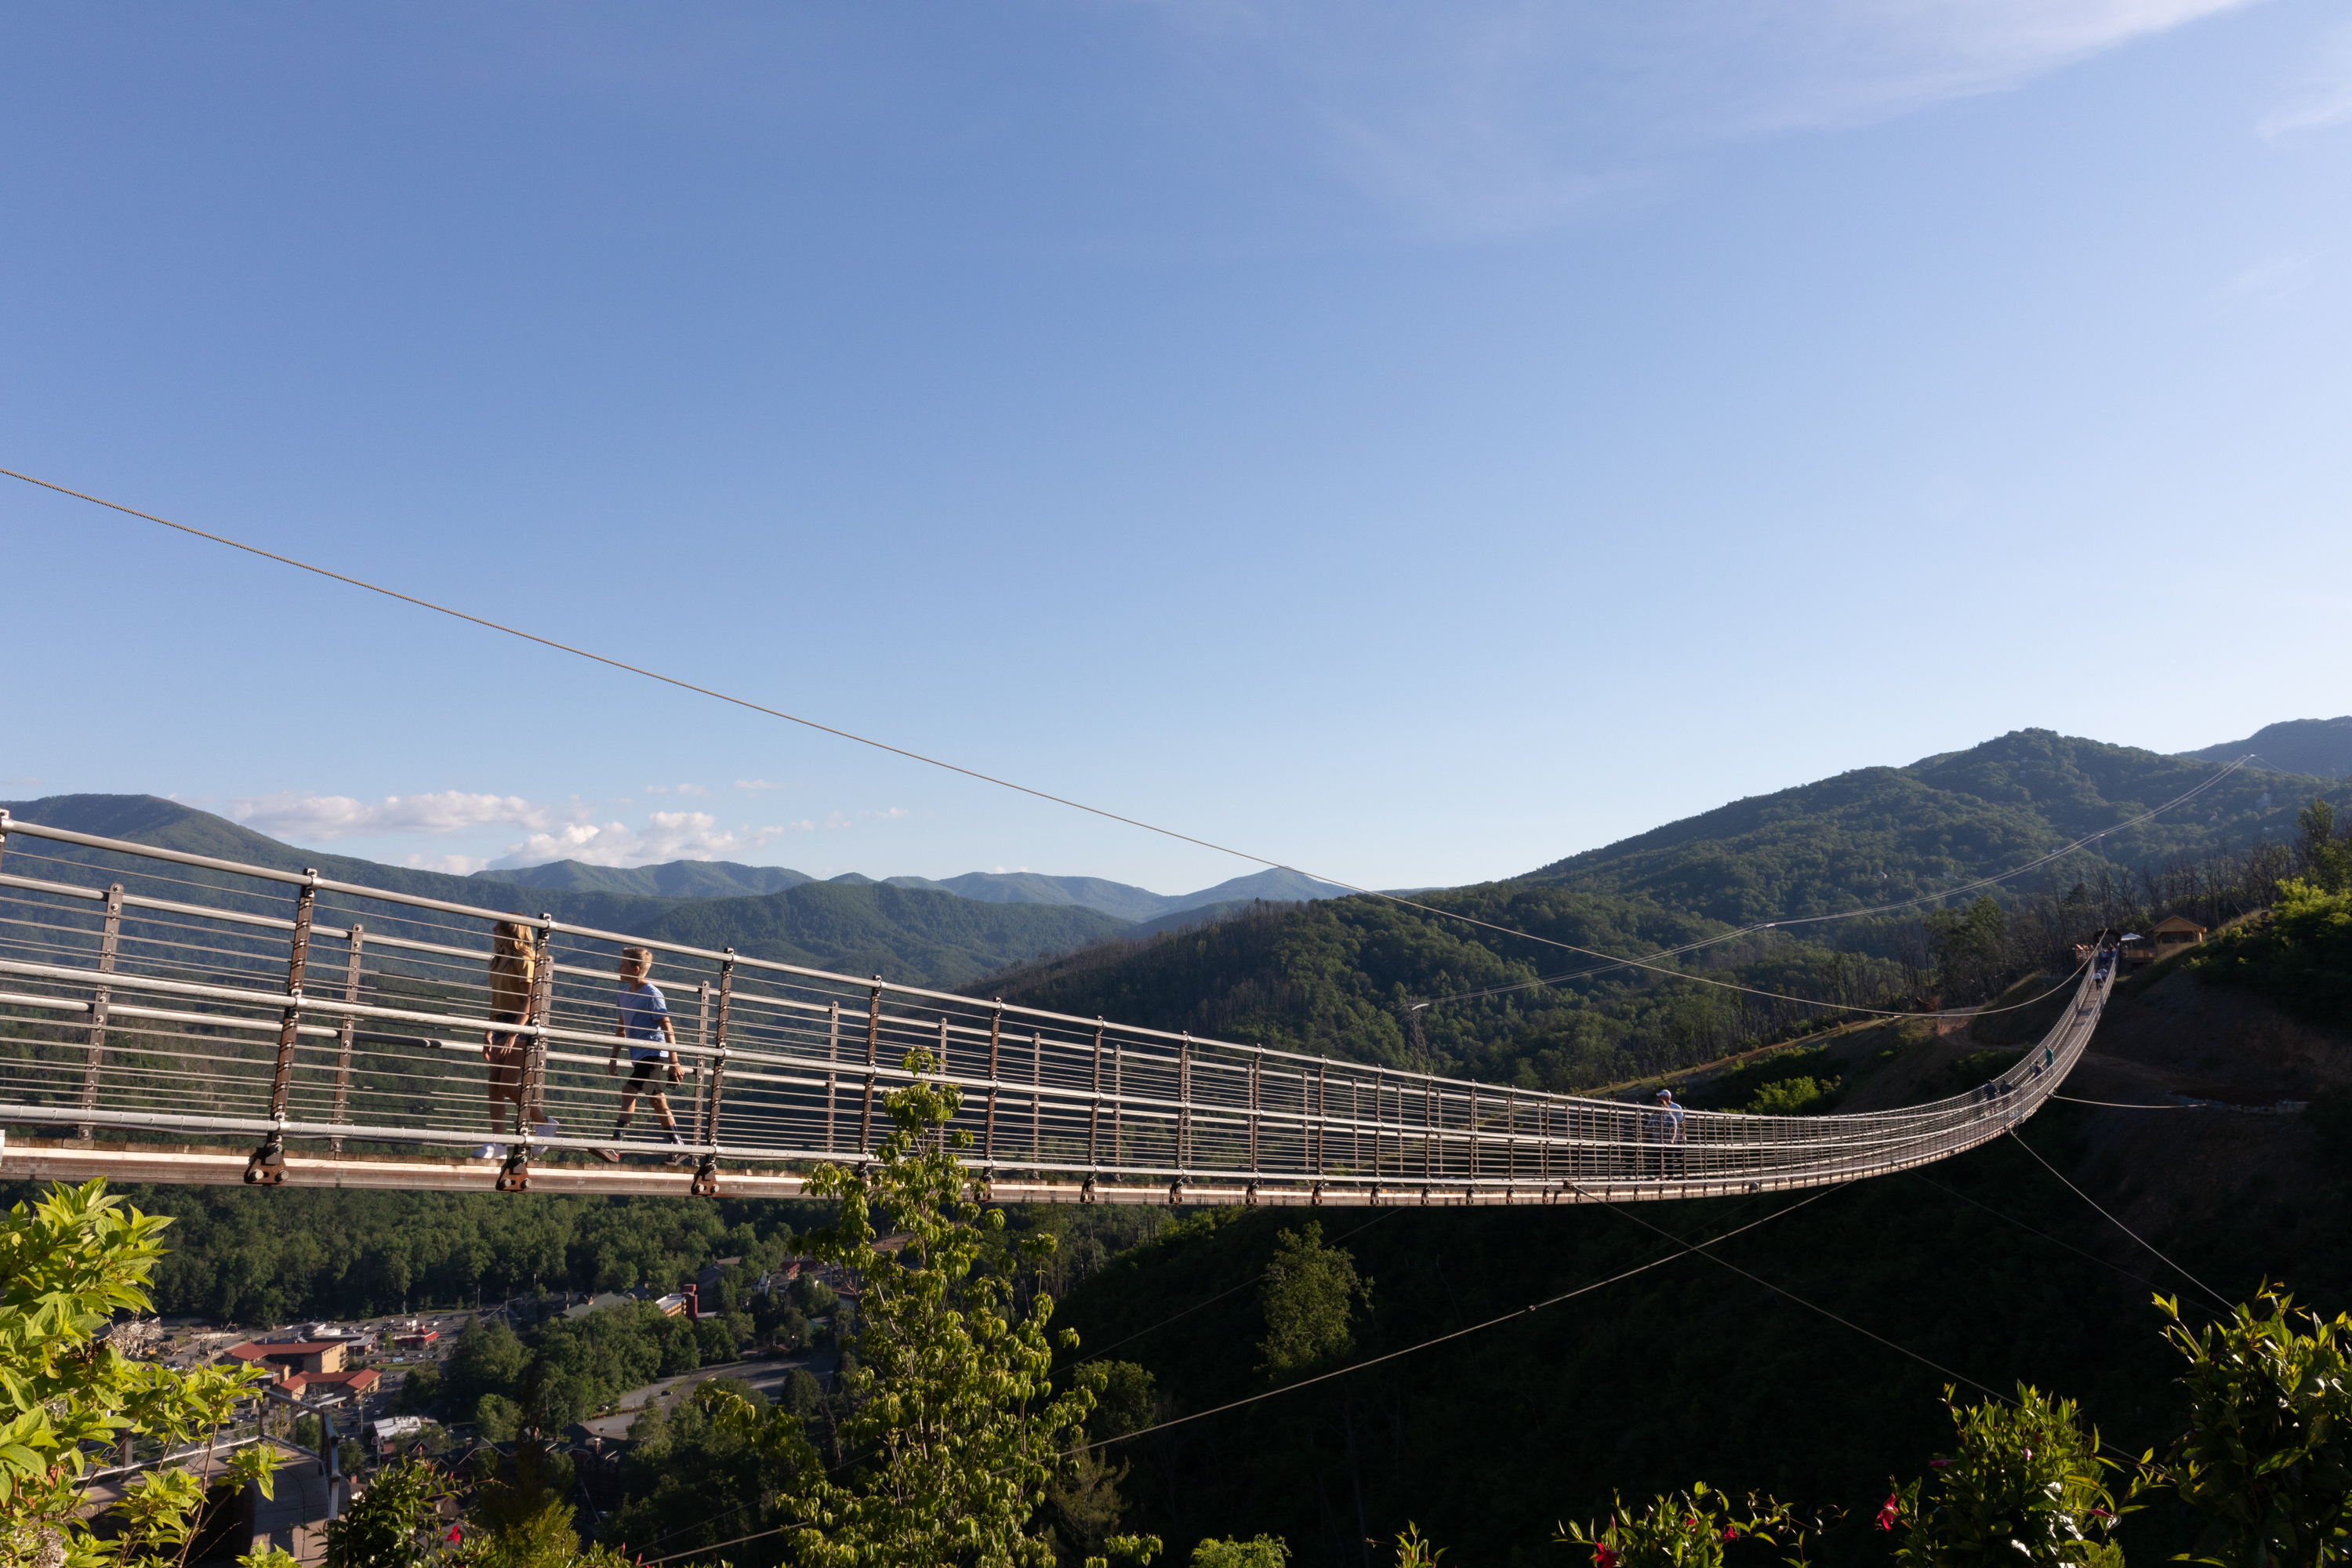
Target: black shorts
[[641, 1070]]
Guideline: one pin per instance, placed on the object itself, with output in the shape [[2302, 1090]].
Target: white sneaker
[[491, 1152], [546, 1129], [681, 1158]]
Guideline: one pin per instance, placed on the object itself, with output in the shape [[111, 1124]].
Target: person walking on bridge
[[1665, 1134], [513, 963], [644, 1024]]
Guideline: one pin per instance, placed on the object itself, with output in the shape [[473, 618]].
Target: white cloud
[[454, 865], [756, 786], [1489, 116], [677, 789], [22, 784], [667, 835], [2326, 100], [292, 814]]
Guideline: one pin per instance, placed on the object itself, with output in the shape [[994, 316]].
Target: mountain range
[[726, 879], [1842, 844], [921, 932]]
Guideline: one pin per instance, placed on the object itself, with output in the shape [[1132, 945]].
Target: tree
[[1309, 1298], [67, 1264], [955, 1432], [2267, 1458], [2024, 1482], [2323, 852]]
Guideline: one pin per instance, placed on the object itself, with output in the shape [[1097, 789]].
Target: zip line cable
[[2013, 1219], [1115, 1344], [2120, 1225], [1799, 1300], [845, 1464], [1609, 960], [1512, 1316], [2057, 853], [2115, 1105]]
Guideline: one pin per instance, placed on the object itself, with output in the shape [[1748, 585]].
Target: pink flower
[[1939, 1464], [1601, 1556], [1729, 1534], [1889, 1512]]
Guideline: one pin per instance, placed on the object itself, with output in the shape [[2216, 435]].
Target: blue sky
[[1411, 442]]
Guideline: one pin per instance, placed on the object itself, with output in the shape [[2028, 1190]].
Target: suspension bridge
[[170, 1018]]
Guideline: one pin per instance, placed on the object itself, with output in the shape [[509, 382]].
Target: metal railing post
[[1257, 1064], [1037, 1095], [108, 941], [833, 1068], [1322, 1115], [347, 1029], [298, 958], [995, 1034], [719, 1047], [1093, 1107], [267, 1167], [873, 1047], [1184, 1102], [542, 1009]]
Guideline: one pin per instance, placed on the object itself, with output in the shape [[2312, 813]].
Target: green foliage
[[392, 1523], [2023, 1481], [2324, 848], [1309, 1298], [2301, 958], [497, 1418], [2267, 1458], [956, 1432], [1258, 1552], [1970, 945], [1795, 1097], [256, 1255], [1685, 1529], [67, 1263]]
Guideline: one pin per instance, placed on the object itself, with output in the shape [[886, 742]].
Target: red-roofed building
[[358, 1383], [291, 1355]]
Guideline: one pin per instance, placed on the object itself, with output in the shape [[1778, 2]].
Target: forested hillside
[[1348, 976], [1879, 834]]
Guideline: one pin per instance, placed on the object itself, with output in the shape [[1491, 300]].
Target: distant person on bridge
[[512, 965], [645, 1024], [1666, 1130]]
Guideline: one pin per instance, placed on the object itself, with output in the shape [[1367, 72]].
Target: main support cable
[[1609, 960]]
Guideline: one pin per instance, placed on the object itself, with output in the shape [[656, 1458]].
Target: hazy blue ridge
[[672, 879], [2320, 746], [914, 936]]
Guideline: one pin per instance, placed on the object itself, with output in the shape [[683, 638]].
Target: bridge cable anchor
[[514, 1176], [706, 1178], [267, 1168]]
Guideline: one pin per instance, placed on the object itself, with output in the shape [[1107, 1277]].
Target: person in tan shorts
[[513, 966]]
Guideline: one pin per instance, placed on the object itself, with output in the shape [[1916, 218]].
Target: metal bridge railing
[[145, 991]]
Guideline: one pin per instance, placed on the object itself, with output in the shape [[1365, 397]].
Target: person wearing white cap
[[1666, 1130]]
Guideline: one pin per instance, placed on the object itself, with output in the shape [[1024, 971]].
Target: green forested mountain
[[1880, 834], [1343, 976], [916, 936]]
